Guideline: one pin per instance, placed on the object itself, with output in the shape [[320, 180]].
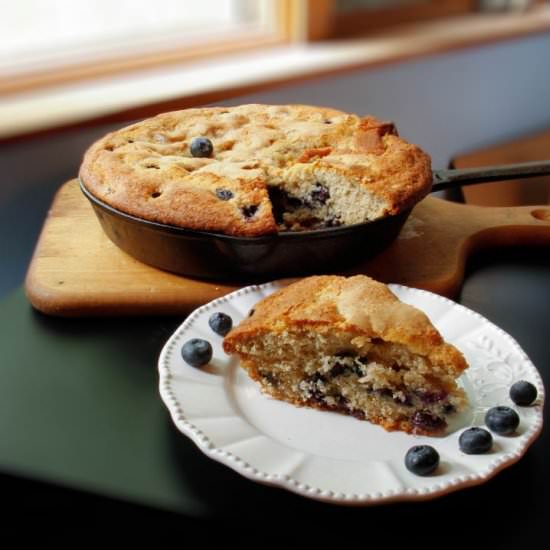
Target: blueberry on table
[[201, 147], [196, 352], [422, 460], [220, 323], [523, 393], [502, 420], [475, 441]]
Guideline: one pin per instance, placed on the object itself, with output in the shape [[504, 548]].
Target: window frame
[[324, 22]]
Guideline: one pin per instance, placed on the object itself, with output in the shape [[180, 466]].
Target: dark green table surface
[[79, 410]]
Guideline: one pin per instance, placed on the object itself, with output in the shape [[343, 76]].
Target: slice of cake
[[349, 345]]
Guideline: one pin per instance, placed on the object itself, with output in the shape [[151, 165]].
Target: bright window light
[[38, 34]]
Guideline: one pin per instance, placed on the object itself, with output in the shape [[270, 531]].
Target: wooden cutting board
[[77, 271]]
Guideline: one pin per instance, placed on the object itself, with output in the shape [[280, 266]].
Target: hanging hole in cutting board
[[541, 214]]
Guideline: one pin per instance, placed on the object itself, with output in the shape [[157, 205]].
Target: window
[[44, 42], [65, 53]]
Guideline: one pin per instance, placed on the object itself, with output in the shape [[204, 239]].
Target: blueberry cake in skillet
[[257, 169], [349, 345]]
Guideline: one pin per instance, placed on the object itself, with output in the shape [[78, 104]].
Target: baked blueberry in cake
[[347, 344], [257, 169]]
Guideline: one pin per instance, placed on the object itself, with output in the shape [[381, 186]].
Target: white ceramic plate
[[332, 457]]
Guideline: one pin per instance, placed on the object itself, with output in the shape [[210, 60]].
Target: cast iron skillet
[[210, 255]]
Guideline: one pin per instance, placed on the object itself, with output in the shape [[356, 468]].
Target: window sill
[[126, 97]]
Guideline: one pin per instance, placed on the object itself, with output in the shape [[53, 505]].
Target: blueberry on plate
[[475, 441], [201, 147], [196, 352], [422, 460], [502, 420], [220, 323], [523, 393]]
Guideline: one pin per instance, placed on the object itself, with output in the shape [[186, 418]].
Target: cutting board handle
[[445, 179], [433, 247], [510, 226]]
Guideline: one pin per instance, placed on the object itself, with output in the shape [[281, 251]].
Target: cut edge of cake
[[349, 345]]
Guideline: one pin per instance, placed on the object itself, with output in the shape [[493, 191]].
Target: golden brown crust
[[359, 305], [147, 170]]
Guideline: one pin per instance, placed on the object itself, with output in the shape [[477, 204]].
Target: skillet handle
[[445, 179]]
